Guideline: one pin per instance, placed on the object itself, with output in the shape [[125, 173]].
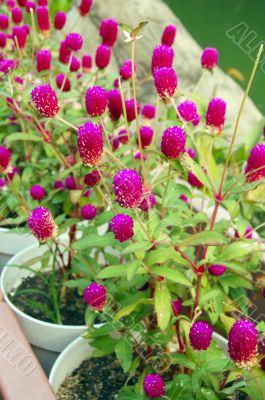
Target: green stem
[[166, 189], [66, 123]]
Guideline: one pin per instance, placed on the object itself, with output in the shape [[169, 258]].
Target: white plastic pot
[[11, 242], [44, 335], [80, 350]]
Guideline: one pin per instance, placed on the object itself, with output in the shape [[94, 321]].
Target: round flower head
[[184, 198], [166, 82], [126, 70], [44, 58], [87, 193], [64, 53], [149, 111], [70, 183], [154, 385], [86, 62], [102, 56], [88, 212], [59, 185], [2, 40], [2, 183], [215, 116], [115, 142], [10, 4], [45, 100], [62, 80], [17, 15], [217, 269], [4, 22], [74, 41], [95, 296], [5, 158], [146, 133], [242, 343], [188, 110], [256, 163], [92, 179], [37, 192], [209, 58], [194, 181], [43, 3], [128, 188], [122, 227], [59, 20], [22, 3], [19, 36], [196, 120], [96, 101], [173, 142], [90, 143], [114, 104], [41, 223], [191, 153], [43, 18], [85, 6], [108, 31], [13, 171], [176, 307], [123, 136], [130, 109], [248, 234], [6, 66], [162, 57], [30, 5], [200, 335], [148, 202], [169, 34], [75, 64]]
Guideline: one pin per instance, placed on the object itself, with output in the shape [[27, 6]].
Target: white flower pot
[[42, 334], [11, 242], [80, 350]]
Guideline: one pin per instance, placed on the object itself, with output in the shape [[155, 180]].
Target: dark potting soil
[[72, 306], [95, 379]]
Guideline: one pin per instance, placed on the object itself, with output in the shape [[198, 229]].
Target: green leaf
[[172, 275], [191, 166], [238, 249], [119, 270], [209, 238], [23, 136], [127, 310], [94, 241], [161, 255], [144, 246], [77, 283], [124, 352], [132, 268], [162, 305]]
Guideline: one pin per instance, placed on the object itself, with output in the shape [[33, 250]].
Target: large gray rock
[[187, 54]]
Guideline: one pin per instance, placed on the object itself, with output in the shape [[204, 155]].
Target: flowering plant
[[169, 255]]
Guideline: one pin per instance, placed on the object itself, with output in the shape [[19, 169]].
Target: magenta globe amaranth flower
[[37, 192], [123, 136], [114, 142], [114, 103], [62, 80], [45, 100], [43, 3], [242, 343], [41, 223], [122, 227], [2, 183], [166, 82], [169, 34], [256, 163], [64, 53], [22, 3], [12, 172], [209, 58], [17, 15], [200, 335], [19, 36], [30, 5], [85, 6], [188, 111], [59, 185], [191, 152], [88, 211], [70, 183], [194, 181], [248, 234], [10, 4], [215, 116], [5, 158], [6, 66], [90, 143], [148, 202], [59, 20], [146, 134], [128, 188], [4, 22], [217, 269], [102, 56], [130, 109], [74, 41], [95, 296], [75, 64], [162, 57], [173, 142], [154, 386], [126, 70], [92, 179], [43, 19], [184, 198], [109, 31], [2, 40], [176, 307], [96, 101], [149, 111], [44, 58], [86, 62]]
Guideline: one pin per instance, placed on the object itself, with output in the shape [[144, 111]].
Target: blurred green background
[[208, 21]]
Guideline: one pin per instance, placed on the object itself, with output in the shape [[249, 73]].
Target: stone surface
[[187, 54]]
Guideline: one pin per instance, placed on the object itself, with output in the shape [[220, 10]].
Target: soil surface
[[29, 298]]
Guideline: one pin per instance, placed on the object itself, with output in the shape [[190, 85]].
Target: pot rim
[[17, 310]]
